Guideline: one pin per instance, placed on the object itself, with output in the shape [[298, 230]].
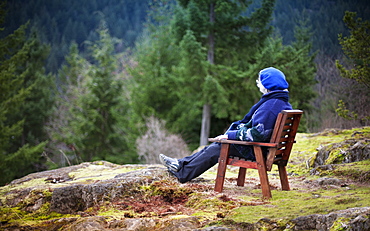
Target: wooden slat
[[270, 158], [283, 178], [262, 172], [241, 176], [222, 164], [262, 144], [242, 163]]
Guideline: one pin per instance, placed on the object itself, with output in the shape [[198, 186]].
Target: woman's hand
[[222, 137]]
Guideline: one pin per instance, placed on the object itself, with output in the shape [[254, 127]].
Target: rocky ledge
[[105, 196]]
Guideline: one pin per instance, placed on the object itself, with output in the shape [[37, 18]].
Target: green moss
[[98, 171], [8, 214], [112, 212], [168, 188], [290, 204], [335, 157], [358, 171], [34, 183], [212, 207], [340, 224], [201, 201], [305, 149], [17, 216], [21, 215]]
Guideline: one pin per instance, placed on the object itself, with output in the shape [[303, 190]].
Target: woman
[[257, 125]]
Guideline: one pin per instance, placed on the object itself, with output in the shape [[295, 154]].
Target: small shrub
[[158, 140]]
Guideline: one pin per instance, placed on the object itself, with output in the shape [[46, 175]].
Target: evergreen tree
[[71, 84], [16, 160], [91, 96], [229, 35], [357, 48], [175, 78], [188, 81], [153, 92], [38, 104], [100, 140]]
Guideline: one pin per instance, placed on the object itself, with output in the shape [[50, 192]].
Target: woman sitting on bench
[[257, 125]]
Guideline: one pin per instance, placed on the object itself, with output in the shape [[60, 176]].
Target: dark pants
[[196, 164]]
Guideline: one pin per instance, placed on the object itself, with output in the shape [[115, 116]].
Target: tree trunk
[[206, 124], [211, 36], [206, 117]]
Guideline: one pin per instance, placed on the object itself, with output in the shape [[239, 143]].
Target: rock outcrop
[[105, 196], [346, 151]]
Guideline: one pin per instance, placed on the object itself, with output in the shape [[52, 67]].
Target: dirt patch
[[154, 205]]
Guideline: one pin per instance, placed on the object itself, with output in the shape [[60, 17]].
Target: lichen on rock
[[106, 196]]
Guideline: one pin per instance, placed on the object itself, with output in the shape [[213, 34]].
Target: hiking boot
[[169, 162]]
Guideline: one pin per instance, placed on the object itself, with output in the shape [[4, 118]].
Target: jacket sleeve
[[254, 131], [260, 127]]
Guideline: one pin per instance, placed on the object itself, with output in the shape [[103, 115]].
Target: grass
[[290, 204]]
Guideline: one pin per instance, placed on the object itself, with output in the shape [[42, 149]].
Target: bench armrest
[[261, 144]]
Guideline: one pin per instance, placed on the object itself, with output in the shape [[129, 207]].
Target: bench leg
[[283, 178], [221, 171], [241, 176], [262, 172]]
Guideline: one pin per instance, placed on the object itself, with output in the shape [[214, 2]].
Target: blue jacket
[[258, 124]]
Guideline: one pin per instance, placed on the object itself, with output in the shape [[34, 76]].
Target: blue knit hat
[[273, 79]]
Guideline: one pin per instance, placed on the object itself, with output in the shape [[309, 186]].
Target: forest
[[123, 81]]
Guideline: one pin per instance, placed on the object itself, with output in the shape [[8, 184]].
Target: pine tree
[[16, 160], [91, 98], [71, 85], [224, 29], [357, 48], [156, 53], [37, 108], [174, 76]]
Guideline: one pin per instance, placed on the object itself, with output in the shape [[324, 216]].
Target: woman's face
[[260, 86]]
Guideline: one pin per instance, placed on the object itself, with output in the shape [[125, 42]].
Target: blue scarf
[[280, 94]]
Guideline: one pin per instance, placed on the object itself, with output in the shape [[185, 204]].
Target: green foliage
[[357, 48], [237, 34], [92, 100], [174, 79], [60, 23], [16, 68], [38, 104], [344, 112], [154, 92]]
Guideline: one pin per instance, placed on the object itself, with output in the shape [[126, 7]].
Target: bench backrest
[[284, 133]]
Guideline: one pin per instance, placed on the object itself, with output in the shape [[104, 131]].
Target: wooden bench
[[279, 149]]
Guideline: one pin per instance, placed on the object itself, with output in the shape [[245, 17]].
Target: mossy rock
[[105, 196], [350, 149]]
